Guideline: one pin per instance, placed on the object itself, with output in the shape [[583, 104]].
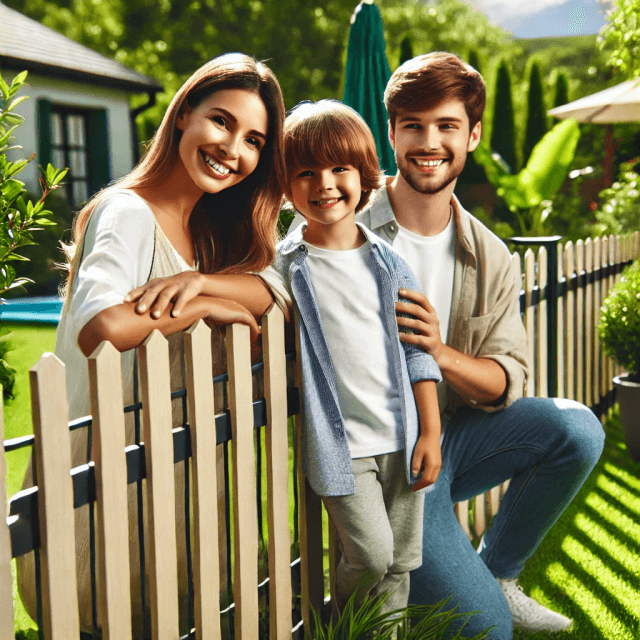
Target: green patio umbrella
[[367, 75]]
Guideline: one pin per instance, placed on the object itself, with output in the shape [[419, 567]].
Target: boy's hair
[[326, 133], [425, 81]]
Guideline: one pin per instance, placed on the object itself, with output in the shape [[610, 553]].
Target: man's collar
[[381, 213]]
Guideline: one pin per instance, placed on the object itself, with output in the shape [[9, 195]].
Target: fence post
[[551, 295]]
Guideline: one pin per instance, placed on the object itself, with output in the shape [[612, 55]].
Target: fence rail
[[261, 592]]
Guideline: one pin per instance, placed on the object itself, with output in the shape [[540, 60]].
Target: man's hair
[[425, 81], [329, 133]]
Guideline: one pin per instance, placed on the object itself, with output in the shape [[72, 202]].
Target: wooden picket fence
[[227, 412]]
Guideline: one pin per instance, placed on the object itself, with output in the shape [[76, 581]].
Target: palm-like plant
[[367, 621]]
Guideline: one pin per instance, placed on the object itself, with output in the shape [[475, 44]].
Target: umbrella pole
[[608, 155]]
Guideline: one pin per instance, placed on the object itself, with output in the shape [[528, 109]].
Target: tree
[[406, 50], [536, 113], [474, 60], [620, 38], [562, 90], [503, 128]]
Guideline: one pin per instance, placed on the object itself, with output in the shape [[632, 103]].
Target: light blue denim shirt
[[325, 453]]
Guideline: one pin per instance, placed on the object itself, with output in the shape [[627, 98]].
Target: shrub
[[619, 211], [416, 622], [19, 217], [619, 326]]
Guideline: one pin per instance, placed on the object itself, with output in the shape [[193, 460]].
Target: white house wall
[[74, 94]]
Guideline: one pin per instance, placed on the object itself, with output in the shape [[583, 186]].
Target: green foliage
[[7, 373], [19, 217], [416, 622], [619, 326], [562, 90], [536, 113], [406, 50], [46, 254], [620, 38], [474, 60], [503, 129], [619, 210], [526, 192]]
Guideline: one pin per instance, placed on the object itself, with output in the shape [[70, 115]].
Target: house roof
[[27, 44]]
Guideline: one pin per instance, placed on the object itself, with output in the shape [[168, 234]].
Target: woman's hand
[[223, 312], [158, 293]]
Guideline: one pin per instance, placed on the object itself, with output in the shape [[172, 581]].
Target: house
[[78, 114]]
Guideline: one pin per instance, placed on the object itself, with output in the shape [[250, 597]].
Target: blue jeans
[[547, 447]]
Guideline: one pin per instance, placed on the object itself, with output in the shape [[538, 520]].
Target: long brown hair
[[234, 230]]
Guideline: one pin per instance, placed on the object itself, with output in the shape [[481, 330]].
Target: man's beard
[[427, 186]]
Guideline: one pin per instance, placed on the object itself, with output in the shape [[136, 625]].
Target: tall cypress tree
[[562, 90], [406, 50], [536, 114], [503, 128], [474, 60]]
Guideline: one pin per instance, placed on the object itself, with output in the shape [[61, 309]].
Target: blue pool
[[45, 309]]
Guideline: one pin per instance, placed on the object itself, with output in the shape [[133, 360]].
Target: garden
[[532, 176]]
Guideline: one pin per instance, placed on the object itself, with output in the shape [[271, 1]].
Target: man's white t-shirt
[[353, 323], [433, 260]]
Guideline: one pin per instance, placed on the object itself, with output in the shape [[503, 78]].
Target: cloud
[[500, 11]]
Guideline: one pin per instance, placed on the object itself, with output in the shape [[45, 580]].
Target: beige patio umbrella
[[615, 104]]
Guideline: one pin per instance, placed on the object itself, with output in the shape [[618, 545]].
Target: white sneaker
[[528, 614]]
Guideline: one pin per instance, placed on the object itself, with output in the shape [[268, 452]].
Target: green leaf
[[545, 172], [14, 103], [15, 167], [11, 189], [58, 176], [6, 136], [18, 81], [4, 89]]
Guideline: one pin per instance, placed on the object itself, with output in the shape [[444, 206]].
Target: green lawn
[[29, 342], [587, 567]]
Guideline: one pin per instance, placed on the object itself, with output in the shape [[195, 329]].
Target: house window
[[69, 148], [70, 136]]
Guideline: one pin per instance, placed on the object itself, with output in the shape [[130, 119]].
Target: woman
[[204, 199]]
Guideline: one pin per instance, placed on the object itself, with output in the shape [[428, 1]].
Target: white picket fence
[[587, 272]]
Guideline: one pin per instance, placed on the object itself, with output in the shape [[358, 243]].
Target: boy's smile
[[327, 197]]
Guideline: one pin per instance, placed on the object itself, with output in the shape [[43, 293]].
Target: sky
[[540, 18]]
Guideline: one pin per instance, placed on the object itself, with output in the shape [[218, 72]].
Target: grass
[[29, 342], [587, 567]]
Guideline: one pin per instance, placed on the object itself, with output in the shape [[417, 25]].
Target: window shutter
[[100, 174], [44, 132]]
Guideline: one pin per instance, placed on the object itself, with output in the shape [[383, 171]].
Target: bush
[[619, 326], [619, 211], [416, 622]]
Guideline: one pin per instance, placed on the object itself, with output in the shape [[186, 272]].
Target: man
[[469, 321]]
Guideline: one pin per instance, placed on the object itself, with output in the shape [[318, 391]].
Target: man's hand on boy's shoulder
[[420, 316]]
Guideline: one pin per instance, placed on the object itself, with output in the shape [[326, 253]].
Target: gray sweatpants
[[379, 532]]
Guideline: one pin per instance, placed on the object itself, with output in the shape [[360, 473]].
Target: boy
[[369, 443]]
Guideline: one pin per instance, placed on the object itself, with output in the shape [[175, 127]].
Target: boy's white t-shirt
[[353, 323]]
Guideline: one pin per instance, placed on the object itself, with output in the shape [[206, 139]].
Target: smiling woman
[[176, 240]]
